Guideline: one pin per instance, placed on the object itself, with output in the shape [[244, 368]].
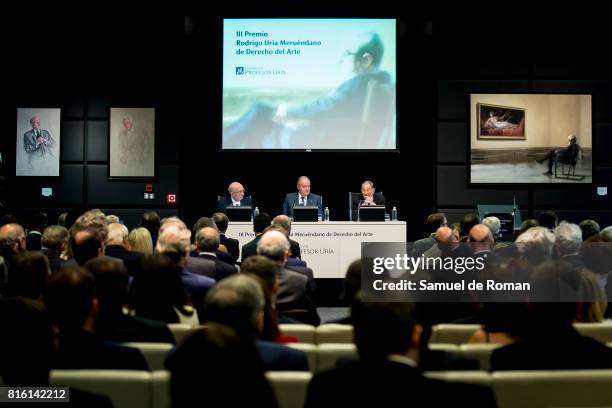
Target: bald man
[[481, 239], [236, 198], [302, 198]]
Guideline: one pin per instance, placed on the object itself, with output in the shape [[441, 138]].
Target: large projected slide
[[309, 84]]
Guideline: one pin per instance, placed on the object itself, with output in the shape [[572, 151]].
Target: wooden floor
[[525, 172]]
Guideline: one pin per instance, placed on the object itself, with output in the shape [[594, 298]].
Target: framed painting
[[131, 147], [500, 122], [38, 152]]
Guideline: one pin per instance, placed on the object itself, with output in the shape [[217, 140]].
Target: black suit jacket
[[223, 269], [379, 199], [295, 249], [55, 262], [225, 202], [564, 350], [358, 384], [123, 328], [232, 245], [250, 248], [131, 259]]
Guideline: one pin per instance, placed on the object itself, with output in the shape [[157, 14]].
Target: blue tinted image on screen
[[309, 84]]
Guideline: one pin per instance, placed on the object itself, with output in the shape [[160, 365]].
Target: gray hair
[[207, 239], [273, 244], [235, 299], [536, 244], [568, 238], [607, 233], [493, 223], [111, 219], [117, 232], [54, 237], [174, 239], [282, 221]]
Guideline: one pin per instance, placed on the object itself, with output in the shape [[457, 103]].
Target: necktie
[[302, 203]]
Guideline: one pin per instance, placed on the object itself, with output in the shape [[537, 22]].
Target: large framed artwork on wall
[[38, 142]]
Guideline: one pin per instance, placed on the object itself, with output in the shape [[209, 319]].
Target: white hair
[[117, 232], [493, 223], [568, 238], [536, 244], [273, 244], [174, 239]]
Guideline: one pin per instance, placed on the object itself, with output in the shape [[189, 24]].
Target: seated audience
[[151, 222], [28, 274], [69, 296], [228, 366], [54, 241], [387, 337], [117, 246], [140, 240], [284, 222], [260, 223], [238, 301], [433, 222], [535, 245], [207, 243], [568, 241], [232, 245], [112, 323], [589, 228]]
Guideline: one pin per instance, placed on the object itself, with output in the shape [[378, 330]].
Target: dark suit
[[55, 262], [296, 252], [295, 262], [250, 248], [225, 202], [123, 328], [79, 349], [295, 294], [561, 350], [223, 270], [29, 141], [232, 245], [33, 241], [200, 266], [390, 384], [277, 357], [292, 200], [420, 246], [379, 199], [131, 259]]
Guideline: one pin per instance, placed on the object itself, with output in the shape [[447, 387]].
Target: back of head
[[261, 267], [273, 245], [204, 222], [207, 239], [28, 273], [352, 282], [236, 301], [596, 253], [39, 221], [548, 219], [117, 234], [435, 221], [12, 240], [55, 237], [568, 238], [69, 295], [111, 283], [86, 243], [535, 245], [260, 222], [467, 222], [27, 344], [151, 221], [589, 228], [227, 364], [140, 240], [158, 289], [174, 242], [382, 328], [284, 222], [525, 225], [494, 224], [221, 221]]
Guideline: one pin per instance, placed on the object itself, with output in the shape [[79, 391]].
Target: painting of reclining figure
[[530, 139]]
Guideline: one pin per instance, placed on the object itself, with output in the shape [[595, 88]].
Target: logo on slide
[[239, 70]]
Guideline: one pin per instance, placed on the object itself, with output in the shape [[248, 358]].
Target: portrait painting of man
[[38, 142], [132, 142]]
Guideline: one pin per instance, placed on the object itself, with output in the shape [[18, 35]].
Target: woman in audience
[[140, 240], [217, 368], [157, 292], [265, 273]]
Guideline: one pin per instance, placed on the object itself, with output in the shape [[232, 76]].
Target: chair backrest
[[180, 331], [328, 354], [601, 332], [161, 389], [154, 353], [576, 388], [480, 352], [305, 333], [378, 110], [469, 377], [453, 333], [290, 387], [311, 353], [125, 388], [334, 333]]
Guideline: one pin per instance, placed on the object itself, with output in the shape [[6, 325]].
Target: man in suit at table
[[236, 198], [369, 196], [302, 198]]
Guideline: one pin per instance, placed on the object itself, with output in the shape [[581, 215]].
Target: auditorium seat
[[161, 389], [311, 353], [328, 354], [334, 333], [453, 333], [447, 347], [535, 389], [305, 333], [290, 387], [154, 353], [126, 389], [480, 352], [180, 331], [469, 377], [599, 331]]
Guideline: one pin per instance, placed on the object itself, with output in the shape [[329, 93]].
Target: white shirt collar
[[234, 202], [208, 253], [402, 360]]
